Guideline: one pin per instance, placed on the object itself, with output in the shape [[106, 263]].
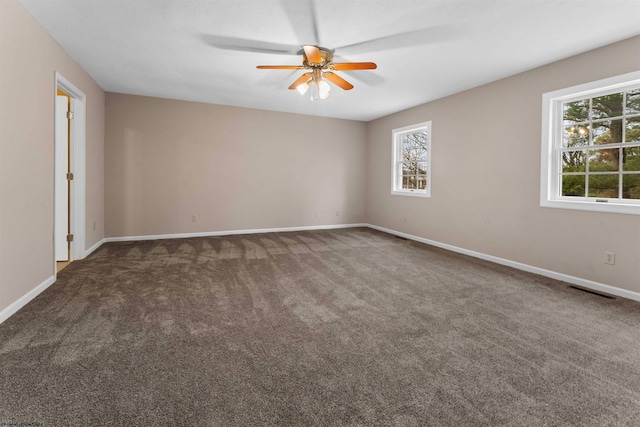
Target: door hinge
[[69, 176], [69, 237], [69, 115]]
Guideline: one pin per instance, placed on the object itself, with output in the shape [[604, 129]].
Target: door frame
[[77, 163]]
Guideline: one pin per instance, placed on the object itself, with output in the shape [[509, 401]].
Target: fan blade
[[338, 81], [312, 53], [419, 37], [303, 19], [302, 79], [279, 67], [355, 66], [249, 45]]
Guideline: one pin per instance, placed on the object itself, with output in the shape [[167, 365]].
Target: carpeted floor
[[343, 327]]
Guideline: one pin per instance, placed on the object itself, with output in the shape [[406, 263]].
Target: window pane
[[409, 182], [422, 182], [603, 186], [413, 168], [632, 129], [573, 185], [414, 146], [631, 186], [607, 106], [574, 161], [407, 147], [631, 159], [604, 160], [607, 132], [422, 168], [414, 154], [575, 136], [633, 101], [417, 139], [574, 112]]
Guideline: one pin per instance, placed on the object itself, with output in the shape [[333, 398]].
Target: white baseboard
[[231, 232], [93, 248], [589, 284], [24, 299]]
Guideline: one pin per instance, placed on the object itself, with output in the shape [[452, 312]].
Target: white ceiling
[[207, 50]]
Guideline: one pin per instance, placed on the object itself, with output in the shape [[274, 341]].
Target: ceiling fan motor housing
[[326, 56]]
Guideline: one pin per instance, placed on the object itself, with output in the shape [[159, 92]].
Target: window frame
[[396, 146], [552, 125]]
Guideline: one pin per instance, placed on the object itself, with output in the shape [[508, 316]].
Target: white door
[[61, 167]]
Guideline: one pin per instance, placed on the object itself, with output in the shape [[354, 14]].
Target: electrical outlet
[[609, 258], [316, 214], [94, 226], [337, 213], [405, 219], [194, 218]]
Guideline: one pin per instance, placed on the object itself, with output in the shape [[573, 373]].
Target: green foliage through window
[[600, 146]]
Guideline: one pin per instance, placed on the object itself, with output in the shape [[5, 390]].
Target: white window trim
[[395, 147], [551, 103]]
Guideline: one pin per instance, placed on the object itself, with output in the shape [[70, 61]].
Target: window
[[412, 160], [591, 146]]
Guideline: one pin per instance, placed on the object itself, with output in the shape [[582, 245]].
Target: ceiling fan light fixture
[[302, 88], [323, 89]]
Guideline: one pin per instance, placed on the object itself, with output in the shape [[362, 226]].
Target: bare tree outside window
[[412, 146], [414, 156]]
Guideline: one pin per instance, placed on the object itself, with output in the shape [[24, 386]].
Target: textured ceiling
[[207, 50]]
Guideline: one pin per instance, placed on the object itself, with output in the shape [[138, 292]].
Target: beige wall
[[29, 58], [486, 177], [235, 168]]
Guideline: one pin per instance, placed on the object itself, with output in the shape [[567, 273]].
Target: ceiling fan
[[321, 68]]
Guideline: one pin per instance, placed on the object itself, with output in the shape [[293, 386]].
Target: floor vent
[[592, 292]]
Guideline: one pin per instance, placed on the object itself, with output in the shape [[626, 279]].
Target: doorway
[[69, 172], [63, 178]]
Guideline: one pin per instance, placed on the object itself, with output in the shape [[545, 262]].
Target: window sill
[[608, 207], [410, 193]]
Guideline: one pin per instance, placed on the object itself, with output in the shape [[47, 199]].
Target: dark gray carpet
[[342, 327]]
